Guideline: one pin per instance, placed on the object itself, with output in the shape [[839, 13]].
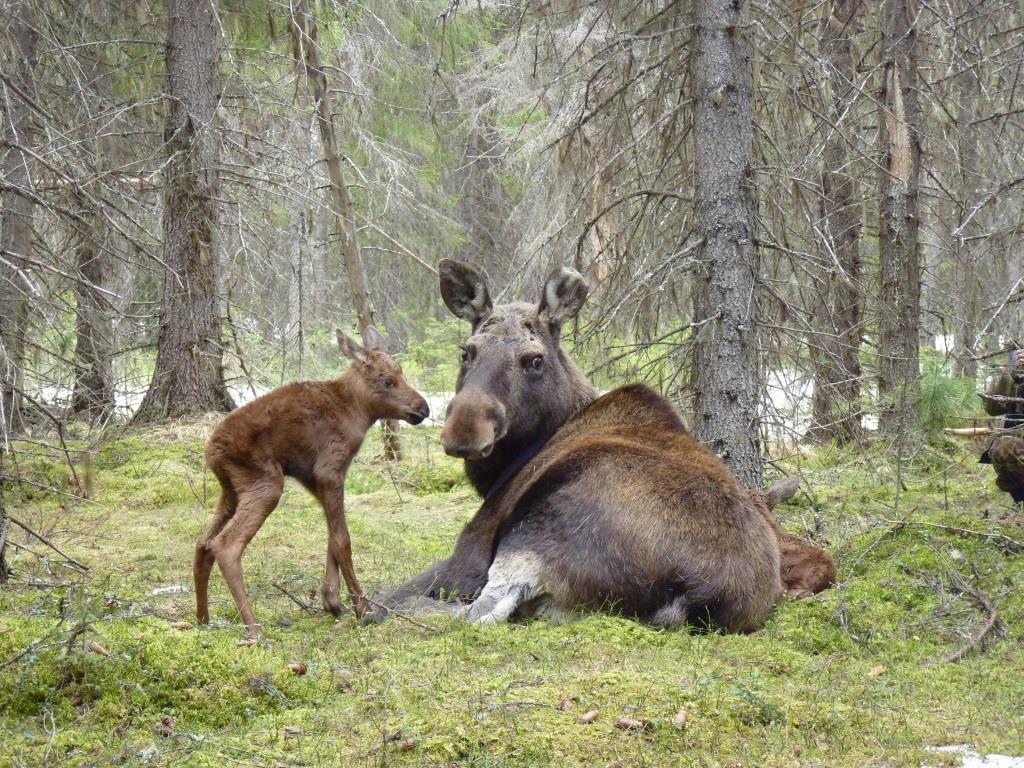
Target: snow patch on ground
[[969, 758]]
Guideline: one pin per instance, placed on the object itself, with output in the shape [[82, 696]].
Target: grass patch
[[841, 680]]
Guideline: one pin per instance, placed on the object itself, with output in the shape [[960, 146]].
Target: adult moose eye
[[534, 363], [465, 355]]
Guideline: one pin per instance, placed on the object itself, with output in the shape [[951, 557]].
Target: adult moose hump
[[601, 503], [311, 431]]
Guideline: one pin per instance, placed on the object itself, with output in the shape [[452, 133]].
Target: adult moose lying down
[[588, 502]]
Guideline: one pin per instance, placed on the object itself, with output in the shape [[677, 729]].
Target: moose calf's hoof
[[360, 606]]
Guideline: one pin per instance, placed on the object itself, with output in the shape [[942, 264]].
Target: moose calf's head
[[389, 395], [515, 383]]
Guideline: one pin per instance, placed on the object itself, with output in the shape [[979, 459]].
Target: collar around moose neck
[[517, 463]]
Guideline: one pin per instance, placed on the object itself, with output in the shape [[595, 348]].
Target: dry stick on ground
[[411, 620], [992, 622], [59, 426], [31, 646], [71, 561], [895, 525], [303, 605], [1006, 543]]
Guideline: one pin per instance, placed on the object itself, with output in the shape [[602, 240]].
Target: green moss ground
[[839, 680]]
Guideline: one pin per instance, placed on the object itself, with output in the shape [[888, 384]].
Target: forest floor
[[104, 668]]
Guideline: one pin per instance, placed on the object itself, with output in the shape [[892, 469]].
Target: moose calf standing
[[308, 430]]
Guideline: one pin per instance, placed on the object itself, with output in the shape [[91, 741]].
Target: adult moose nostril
[[470, 453]]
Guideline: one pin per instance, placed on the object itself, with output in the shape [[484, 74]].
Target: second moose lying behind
[[308, 430]]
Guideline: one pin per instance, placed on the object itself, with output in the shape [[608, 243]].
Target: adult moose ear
[[562, 297], [349, 348], [464, 291], [374, 339]]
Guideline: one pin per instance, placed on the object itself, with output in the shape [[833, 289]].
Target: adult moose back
[[588, 502]]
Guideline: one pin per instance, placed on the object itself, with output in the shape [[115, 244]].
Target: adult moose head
[[516, 385]]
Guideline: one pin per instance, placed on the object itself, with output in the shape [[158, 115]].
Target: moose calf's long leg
[[339, 543], [254, 505], [203, 561]]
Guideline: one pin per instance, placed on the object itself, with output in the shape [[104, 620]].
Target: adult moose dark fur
[[308, 430], [1005, 449], [589, 502]]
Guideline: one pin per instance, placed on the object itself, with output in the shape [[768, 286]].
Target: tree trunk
[[93, 396], [304, 37], [727, 367], [969, 242], [837, 316], [16, 216], [5, 524], [189, 375], [898, 253]]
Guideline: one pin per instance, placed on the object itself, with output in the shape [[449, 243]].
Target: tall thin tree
[[899, 306], [16, 208], [304, 37], [189, 375], [727, 369], [837, 316]]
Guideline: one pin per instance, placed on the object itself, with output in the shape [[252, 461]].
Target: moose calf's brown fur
[[805, 569], [308, 430]]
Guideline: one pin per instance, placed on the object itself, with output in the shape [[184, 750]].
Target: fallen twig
[[991, 624], [1005, 542], [968, 431], [895, 525], [401, 615], [303, 605], [77, 565]]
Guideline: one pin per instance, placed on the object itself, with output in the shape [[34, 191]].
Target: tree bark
[[5, 525], [189, 375], [837, 316], [969, 242], [93, 396], [304, 37], [727, 368], [16, 216], [899, 257]]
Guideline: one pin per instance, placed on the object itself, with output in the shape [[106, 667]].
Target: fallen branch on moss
[[992, 623], [303, 605], [70, 560], [1006, 543]]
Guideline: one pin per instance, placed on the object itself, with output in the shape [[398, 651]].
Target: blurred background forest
[[881, 270]]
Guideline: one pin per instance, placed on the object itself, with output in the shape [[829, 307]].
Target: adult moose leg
[[255, 503], [203, 561], [514, 578], [330, 490]]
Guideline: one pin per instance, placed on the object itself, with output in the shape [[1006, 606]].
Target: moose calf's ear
[[350, 348], [464, 291], [562, 297], [374, 339]]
